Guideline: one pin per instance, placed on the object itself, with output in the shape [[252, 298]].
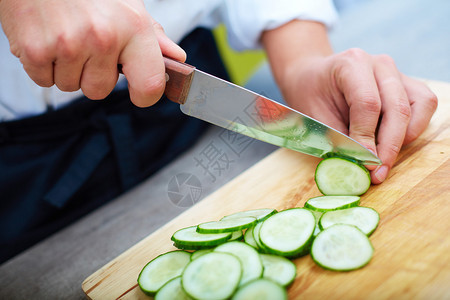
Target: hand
[[363, 96], [78, 44]]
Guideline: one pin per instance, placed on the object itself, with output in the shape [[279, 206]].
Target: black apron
[[57, 167]]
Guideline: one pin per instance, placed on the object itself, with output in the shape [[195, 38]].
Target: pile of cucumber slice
[[248, 255]]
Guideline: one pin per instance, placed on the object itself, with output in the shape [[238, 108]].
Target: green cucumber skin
[[153, 293], [274, 211], [347, 160], [342, 270], [193, 245], [222, 230], [368, 234], [302, 251], [323, 210]]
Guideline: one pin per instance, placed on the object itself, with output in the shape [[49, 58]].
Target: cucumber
[[278, 269], [365, 218], [288, 233], [227, 225], [252, 267], [317, 215], [200, 252], [256, 231], [341, 247], [189, 238], [236, 236], [334, 229], [261, 289], [161, 269], [215, 275], [249, 239], [340, 176], [259, 214], [172, 290], [327, 203]]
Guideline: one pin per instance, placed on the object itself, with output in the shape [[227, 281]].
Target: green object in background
[[240, 65]]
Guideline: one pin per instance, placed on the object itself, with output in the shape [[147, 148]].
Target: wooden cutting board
[[412, 244]]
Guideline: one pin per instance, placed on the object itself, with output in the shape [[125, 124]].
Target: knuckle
[[154, 85], [385, 59], [104, 37], [432, 101], [355, 54], [35, 54], [370, 103], [404, 109], [157, 27], [67, 47], [393, 150]]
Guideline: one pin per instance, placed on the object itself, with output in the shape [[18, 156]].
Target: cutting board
[[412, 244]]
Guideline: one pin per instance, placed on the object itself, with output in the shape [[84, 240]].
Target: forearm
[[295, 41]]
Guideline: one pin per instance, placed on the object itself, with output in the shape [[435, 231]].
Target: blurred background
[[415, 33]]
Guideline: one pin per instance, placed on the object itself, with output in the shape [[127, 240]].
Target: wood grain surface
[[412, 244]]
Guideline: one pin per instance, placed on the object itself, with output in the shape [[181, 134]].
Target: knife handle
[[178, 79], [179, 76]]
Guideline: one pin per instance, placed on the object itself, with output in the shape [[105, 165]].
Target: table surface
[[411, 259]]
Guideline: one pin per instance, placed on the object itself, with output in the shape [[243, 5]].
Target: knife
[[235, 108]]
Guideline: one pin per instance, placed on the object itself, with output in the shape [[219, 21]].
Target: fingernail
[[381, 173]]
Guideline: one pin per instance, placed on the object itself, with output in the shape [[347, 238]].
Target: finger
[[360, 90], [37, 61], [67, 74], [41, 74], [99, 76], [395, 116], [168, 47], [423, 105], [143, 66]]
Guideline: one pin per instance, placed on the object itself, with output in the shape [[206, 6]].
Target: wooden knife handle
[[179, 77]]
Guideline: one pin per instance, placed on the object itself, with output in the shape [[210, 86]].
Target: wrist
[[295, 46]]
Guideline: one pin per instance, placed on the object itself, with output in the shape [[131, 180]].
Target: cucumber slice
[[259, 214], [317, 215], [161, 269], [249, 239], [327, 203], [278, 269], [228, 225], [252, 267], [261, 289], [339, 176], [256, 231], [172, 290], [189, 238], [215, 275], [365, 218], [236, 236], [289, 232], [341, 247], [200, 252]]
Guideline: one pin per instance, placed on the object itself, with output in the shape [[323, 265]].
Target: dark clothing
[[56, 167]]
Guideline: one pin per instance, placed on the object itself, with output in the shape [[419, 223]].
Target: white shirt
[[245, 21]]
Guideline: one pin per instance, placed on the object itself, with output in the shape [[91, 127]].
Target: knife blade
[[235, 108]]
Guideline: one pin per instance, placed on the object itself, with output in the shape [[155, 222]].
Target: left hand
[[363, 96]]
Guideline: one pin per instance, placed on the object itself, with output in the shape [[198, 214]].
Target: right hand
[[78, 44]]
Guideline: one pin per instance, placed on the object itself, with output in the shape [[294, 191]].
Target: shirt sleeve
[[247, 19]]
